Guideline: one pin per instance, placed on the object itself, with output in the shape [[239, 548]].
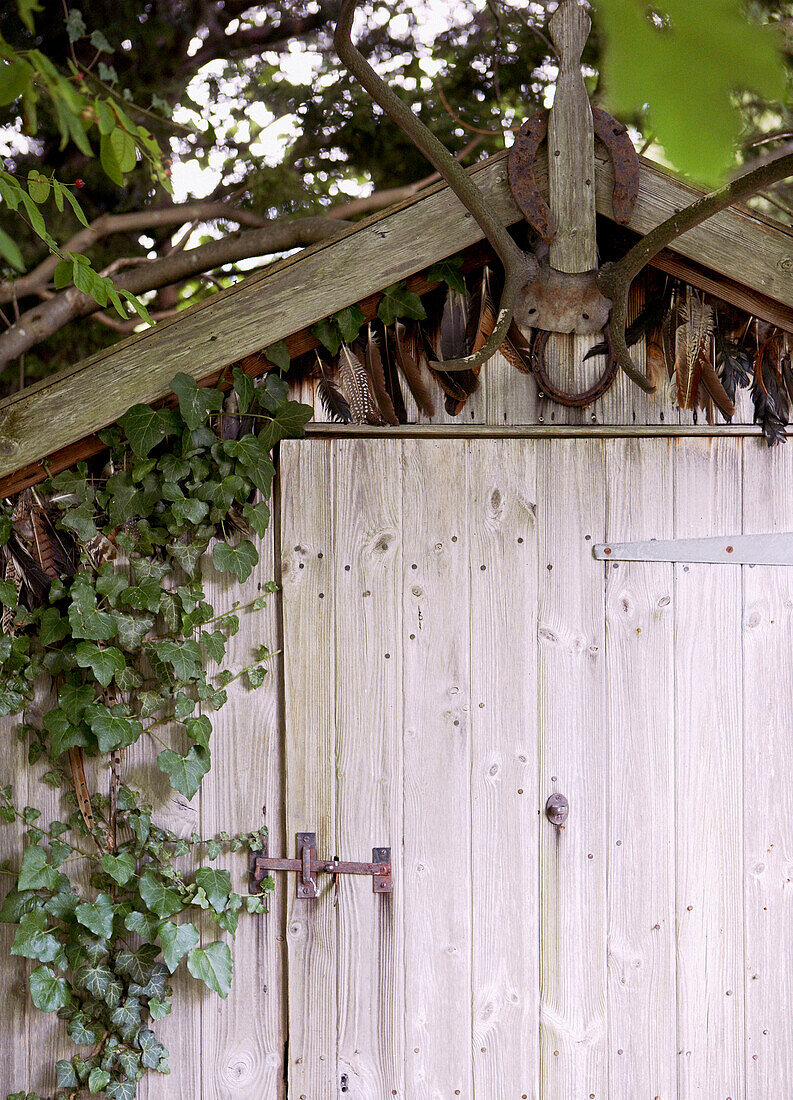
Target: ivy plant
[[105, 901]]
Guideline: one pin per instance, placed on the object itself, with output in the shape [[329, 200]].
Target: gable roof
[[737, 255]]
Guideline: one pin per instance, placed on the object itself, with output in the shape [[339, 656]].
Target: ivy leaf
[[327, 333], [52, 627], [278, 355], [216, 884], [97, 916], [349, 322], [66, 1078], [151, 1049], [97, 1079], [80, 1032], [15, 904], [33, 941], [104, 663], [48, 991], [184, 657], [113, 729], [121, 868], [448, 271], [243, 387], [63, 733], [129, 1062], [132, 629], [199, 730], [239, 559], [126, 1017], [36, 873], [158, 1009], [145, 427], [120, 1090], [213, 966], [158, 898], [137, 965], [258, 516], [176, 940], [398, 301], [85, 618], [94, 978], [195, 402], [184, 772], [288, 423], [215, 645], [145, 924], [8, 594]]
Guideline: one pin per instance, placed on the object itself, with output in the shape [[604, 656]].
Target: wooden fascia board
[[297, 292]]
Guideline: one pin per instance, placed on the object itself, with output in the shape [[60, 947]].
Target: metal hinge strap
[[774, 549]]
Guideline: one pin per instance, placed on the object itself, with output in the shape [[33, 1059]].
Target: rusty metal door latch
[[308, 866], [556, 810]]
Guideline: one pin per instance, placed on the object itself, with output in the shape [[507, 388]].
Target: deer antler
[[519, 268], [614, 280]]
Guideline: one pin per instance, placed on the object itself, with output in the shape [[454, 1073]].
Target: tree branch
[[43, 320], [250, 40]]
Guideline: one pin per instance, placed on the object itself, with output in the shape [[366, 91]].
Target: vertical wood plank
[[504, 820], [768, 793], [367, 564], [310, 745], [708, 772], [639, 668], [243, 1037], [437, 843], [573, 752]]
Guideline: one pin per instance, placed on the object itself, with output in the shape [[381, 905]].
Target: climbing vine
[[102, 594]]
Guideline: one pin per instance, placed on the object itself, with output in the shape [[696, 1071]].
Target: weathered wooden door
[[453, 655]]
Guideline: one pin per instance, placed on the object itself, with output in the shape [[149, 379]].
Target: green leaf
[[243, 387], [94, 977], [195, 402], [66, 1078], [139, 964], [113, 730], [8, 594], [278, 355], [36, 873], [132, 629], [86, 620], [63, 733], [16, 904], [15, 77], [258, 516], [126, 1017], [52, 626], [185, 657], [238, 560], [184, 772], [288, 423], [142, 597], [10, 251], [48, 991], [99, 42], [176, 940], [145, 924], [216, 884], [38, 187], [105, 663], [121, 868], [117, 154], [97, 916], [158, 898], [398, 301], [213, 965], [120, 1090], [689, 63], [349, 322], [328, 334], [448, 271], [34, 941], [81, 1032], [158, 1009], [25, 8], [97, 1079], [145, 427]]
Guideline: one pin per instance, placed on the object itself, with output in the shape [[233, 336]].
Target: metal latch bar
[[307, 865], [773, 549]]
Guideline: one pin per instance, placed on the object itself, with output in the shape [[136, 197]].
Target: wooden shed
[[453, 655]]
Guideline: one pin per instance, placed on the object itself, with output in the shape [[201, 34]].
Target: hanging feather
[[333, 401], [649, 319], [11, 573], [391, 371], [374, 367], [711, 384], [516, 349], [734, 363], [769, 394], [356, 387], [409, 360], [481, 314], [447, 339], [692, 341]]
